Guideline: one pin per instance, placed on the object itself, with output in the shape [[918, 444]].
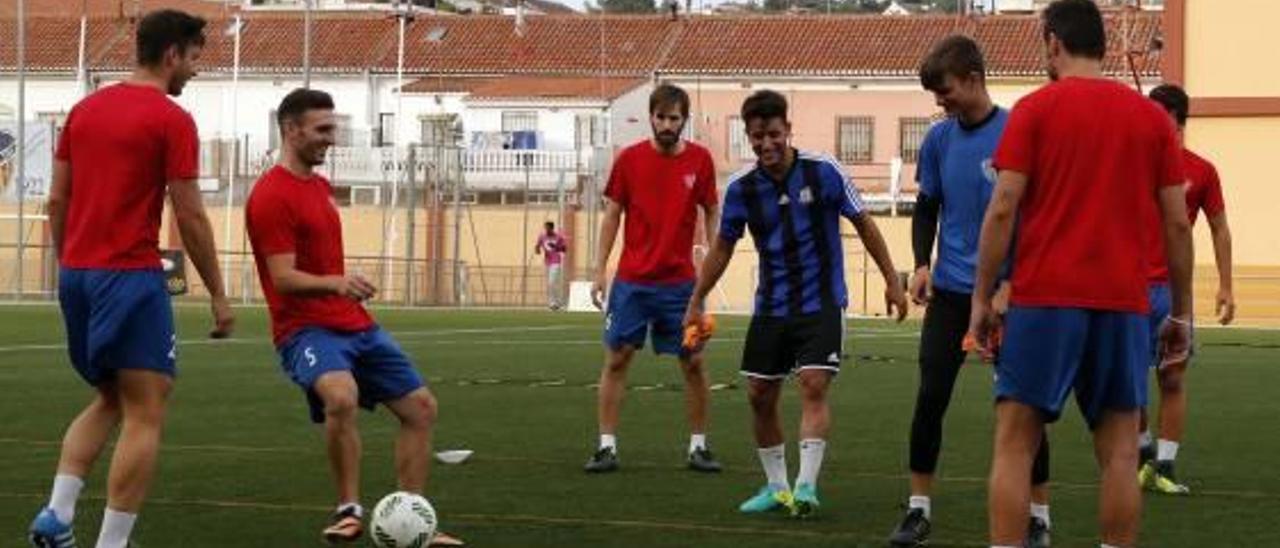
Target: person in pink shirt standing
[[552, 246]]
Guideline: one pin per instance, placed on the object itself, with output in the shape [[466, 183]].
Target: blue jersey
[[795, 224], [955, 169]]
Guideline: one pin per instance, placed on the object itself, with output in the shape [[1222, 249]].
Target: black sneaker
[[1037, 533], [604, 460], [913, 531], [702, 460]]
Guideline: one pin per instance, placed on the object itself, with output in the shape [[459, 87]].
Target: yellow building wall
[[1230, 50]]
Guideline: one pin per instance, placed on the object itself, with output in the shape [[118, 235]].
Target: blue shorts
[[117, 319], [1161, 302], [1048, 352], [382, 371], [635, 308]]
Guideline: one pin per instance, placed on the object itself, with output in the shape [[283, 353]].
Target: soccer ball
[[403, 520]]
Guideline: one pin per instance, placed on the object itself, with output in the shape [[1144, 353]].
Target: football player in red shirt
[[1204, 193], [659, 184], [122, 148], [328, 343], [1083, 165]]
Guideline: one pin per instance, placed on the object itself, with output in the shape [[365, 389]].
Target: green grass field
[[242, 466]]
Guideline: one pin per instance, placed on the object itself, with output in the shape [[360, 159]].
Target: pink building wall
[[813, 113]]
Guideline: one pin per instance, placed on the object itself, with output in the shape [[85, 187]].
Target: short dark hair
[[1174, 100], [549, 224], [299, 101], [162, 29], [1078, 24], [764, 104], [957, 55], [666, 95]]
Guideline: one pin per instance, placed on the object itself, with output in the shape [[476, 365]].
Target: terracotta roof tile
[[445, 84], [112, 8], [563, 88], [612, 46]]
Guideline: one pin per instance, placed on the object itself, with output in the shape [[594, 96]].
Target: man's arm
[[59, 199], [713, 267], [711, 223], [924, 231], [197, 238], [288, 280], [1225, 303], [875, 246], [997, 232], [1178, 248], [608, 232]]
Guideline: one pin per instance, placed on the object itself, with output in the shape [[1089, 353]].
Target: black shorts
[[776, 347]]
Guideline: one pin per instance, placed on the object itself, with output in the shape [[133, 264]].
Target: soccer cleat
[[702, 460], [47, 532], [344, 527], [767, 499], [1158, 477], [604, 460], [913, 531], [1037, 534], [805, 501], [444, 539]]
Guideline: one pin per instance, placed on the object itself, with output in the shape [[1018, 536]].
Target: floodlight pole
[[402, 18], [21, 152], [235, 141]]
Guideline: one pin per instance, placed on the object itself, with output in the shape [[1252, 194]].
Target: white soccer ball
[[403, 520]]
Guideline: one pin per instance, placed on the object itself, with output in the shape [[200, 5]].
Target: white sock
[[1166, 450], [1144, 439], [609, 441], [66, 490], [922, 503], [811, 451], [1003, 546], [1041, 511], [774, 461], [697, 441], [359, 510], [1105, 545], [116, 527]]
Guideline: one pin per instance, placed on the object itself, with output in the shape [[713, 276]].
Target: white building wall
[[629, 117]]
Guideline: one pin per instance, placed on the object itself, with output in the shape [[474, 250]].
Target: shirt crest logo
[[806, 196], [989, 171], [689, 180]]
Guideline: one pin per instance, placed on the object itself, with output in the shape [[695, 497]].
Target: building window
[[519, 120], [438, 129], [386, 135], [345, 134], [911, 132], [590, 131], [739, 144], [273, 131], [854, 139]]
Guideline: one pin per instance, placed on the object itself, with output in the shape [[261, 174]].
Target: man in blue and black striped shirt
[[791, 201]]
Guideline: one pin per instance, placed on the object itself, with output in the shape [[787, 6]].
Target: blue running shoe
[[47, 532], [806, 501], [767, 499]]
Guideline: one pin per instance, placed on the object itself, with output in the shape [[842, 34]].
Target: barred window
[[739, 144], [590, 131], [438, 129], [519, 120], [854, 139], [911, 132]]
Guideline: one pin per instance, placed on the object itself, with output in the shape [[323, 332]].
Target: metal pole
[[524, 272], [457, 180], [21, 152], [390, 236], [82, 72], [231, 177], [410, 229], [306, 44]]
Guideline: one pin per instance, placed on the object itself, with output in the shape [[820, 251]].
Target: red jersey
[[289, 214], [659, 196], [124, 144], [1204, 192], [1095, 154]]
